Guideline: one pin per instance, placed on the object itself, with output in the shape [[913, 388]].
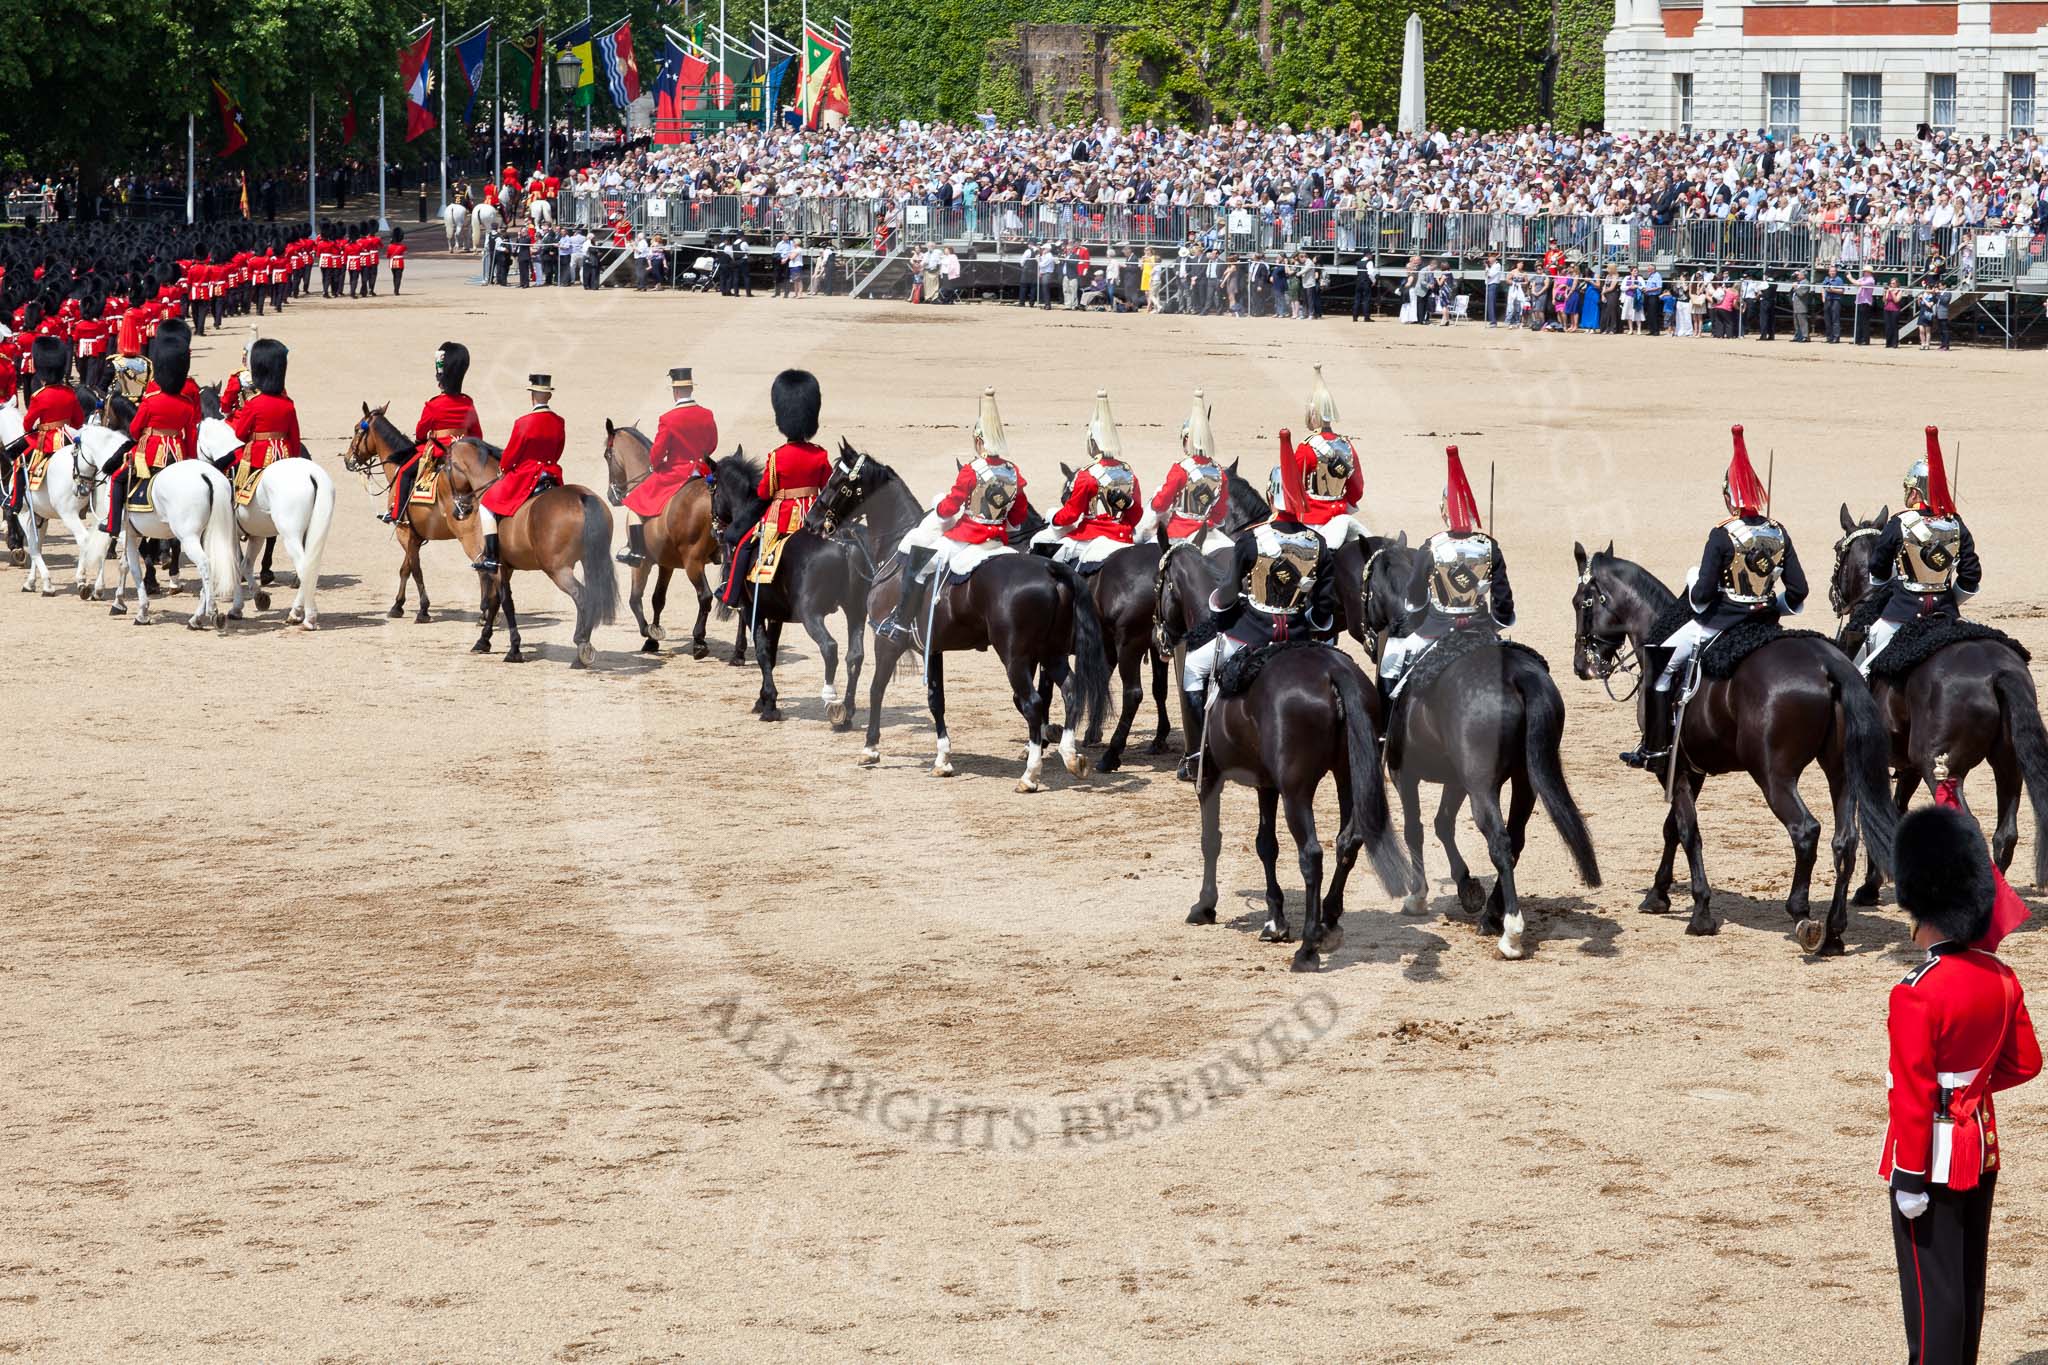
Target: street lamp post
[[568, 75]]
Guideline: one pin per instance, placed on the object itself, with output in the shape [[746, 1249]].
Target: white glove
[[1692, 576], [1147, 524], [1910, 1204], [1787, 608]]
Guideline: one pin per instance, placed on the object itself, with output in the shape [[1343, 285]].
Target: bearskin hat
[[31, 315], [170, 356], [47, 356], [451, 366], [796, 399], [266, 365], [1944, 872]]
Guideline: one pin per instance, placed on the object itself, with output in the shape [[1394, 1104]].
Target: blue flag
[[776, 75], [469, 55]]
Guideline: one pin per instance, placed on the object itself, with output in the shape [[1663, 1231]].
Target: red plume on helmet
[[1939, 502], [1745, 491], [1461, 509]]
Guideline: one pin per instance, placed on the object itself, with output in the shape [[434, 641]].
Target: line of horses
[[1490, 726]]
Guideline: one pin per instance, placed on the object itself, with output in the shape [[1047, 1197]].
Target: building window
[[2019, 103], [1781, 104], [1866, 110], [1941, 103], [1681, 89]]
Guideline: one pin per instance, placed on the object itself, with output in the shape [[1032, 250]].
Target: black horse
[[1126, 599], [1969, 702], [1035, 614], [1492, 716], [1793, 702], [1303, 711], [818, 575]]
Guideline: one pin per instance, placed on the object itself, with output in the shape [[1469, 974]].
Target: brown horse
[[379, 448], [553, 532], [680, 538]]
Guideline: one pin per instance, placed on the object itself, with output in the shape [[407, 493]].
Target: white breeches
[[1339, 531], [485, 521], [1201, 664], [1399, 653], [1685, 642]]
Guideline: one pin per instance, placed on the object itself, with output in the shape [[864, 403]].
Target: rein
[[1372, 636], [1604, 654]]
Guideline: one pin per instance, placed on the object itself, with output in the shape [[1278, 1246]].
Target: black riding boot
[[635, 553], [1659, 710], [489, 562], [401, 496], [1197, 714], [902, 622]]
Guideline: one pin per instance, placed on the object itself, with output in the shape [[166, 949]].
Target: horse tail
[[1868, 751], [600, 599], [1371, 825], [219, 540], [319, 520], [1090, 649], [2023, 731], [1542, 735]]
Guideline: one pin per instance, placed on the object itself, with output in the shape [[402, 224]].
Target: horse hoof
[[196, 623], [1108, 763], [586, 654], [770, 714], [1025, 786], [1305, 960], [263, 601], [840, 715], [1078, 765], [49, 592], [480, 647], [656, 632], [1275, 933], [868, 758], [756, 707], [85, 592], [700, 650], [1470, 898], [945, 769], [1655, 903], [737, 661], [1157, 746], [395, 613], [649, 647], [1703, 926], [1833, 947], [294, 616], [421, 619], [1331, 941], [1202, 914], [513, 656], [1865, 895], [1415, 903], [1809, 933], [28, 585], [309, 623]]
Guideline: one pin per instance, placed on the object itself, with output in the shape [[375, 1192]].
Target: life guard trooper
[[1748, 572], [1102, 508], [973, 521], [1460, 582], [1325, 469], [1924, 561], [1194, 498], [1281, 586]]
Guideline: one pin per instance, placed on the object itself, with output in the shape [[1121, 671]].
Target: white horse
[[66, 496], [455, 219], [484, 221], [294, 501], [542, 212], [194, 505]]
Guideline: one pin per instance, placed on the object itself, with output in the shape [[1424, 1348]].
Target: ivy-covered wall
[[1490, 62]]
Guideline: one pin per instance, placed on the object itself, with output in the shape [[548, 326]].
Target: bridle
[[1841, 556], [1372, 634], [1603, 652], [362, 459], [616, 491], [849, 483]]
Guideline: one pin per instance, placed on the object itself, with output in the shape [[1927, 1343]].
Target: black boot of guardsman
[[902, 622], [1659, 709]]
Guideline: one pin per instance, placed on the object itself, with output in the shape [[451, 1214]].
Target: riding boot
[[400, 496], [1198, 710], [1659, 710], [902, 622], [489, 562], [635, 553]]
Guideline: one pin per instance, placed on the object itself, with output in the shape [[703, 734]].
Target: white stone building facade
[[1860, 71]]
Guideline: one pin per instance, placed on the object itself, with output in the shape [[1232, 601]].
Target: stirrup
[[893, 629], [1643, 760], [631, 558], [484, 565]]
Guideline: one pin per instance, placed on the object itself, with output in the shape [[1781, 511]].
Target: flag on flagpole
[[245, 194], [232, 139], [415, 72], [576, 39], [824, 79], [348, 117], [538, 54], [668, 110], [778, 76], [470, 54], [621, 73]]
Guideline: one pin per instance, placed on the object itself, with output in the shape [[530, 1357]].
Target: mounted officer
[[1748, 572], [166, 421], [684, 443], [791, 479], [531, 464], [1102, 506], [1459, 582], [53, 412], [1925, 562], [971, 522], [448, 416], [1325, 471], [1282, 586], [1194, 498]]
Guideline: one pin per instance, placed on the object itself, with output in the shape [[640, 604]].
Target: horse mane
[[397, 444], [737, 468], [1244, 496], [209, 400], [1636, 579], [633, 432]]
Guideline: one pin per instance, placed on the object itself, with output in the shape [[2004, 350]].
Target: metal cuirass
[[1199, 494], [1331, 473], [1752, 575], [1116, 489], [132, 375], [1460, 573], [995, 492], [1284, 570], [1928, 547]]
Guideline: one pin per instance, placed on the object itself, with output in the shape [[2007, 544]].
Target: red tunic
[[166, 428], [268, 428], [793, 477], [447, 417], [1074, 513], [232, 394], [89, 335], [683, 446], [1317, 511], [534, 449], [396, 251], [1945, 1021], [52, 409], [969, 530], [1180, 527], [10, 377]]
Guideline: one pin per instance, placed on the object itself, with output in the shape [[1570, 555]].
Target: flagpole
[[768, 67], [547, 105], [498, 115], [593, 86], [803, 68], [191, 166], [383, 214], [312, 171], [721, 51], [442, 76]]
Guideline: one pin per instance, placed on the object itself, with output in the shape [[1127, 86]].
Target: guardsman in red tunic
[[683, 446], [91, 338], [447, 416], [395, 252], [532, 463], [166, 421], [10, 367], [1326, 469], [1103, 505], [791, 480], [976, 516], [1194, 498], [1959, 1031], [266, 421], [51, 408]]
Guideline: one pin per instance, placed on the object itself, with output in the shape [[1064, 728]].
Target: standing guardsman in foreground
[[1959, 1032], [1925, 562]]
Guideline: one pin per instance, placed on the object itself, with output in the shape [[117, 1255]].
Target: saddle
[[246, 478], [426, 480], [141, 495], [1724, 653], [1243, 668], [769, 556], [1922, 637], [1430, 667], [39, 467]]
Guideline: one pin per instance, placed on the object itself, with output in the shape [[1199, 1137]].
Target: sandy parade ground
[[366, 999]]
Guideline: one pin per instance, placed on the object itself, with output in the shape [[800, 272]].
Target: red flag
[[348, 118], [540, 63], [414, 73], [2008, 911], [690, 85], [232, 140]]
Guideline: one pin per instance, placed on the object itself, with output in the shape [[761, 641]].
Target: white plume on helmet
[[988, 427], [1102, 430], [1195, 434]]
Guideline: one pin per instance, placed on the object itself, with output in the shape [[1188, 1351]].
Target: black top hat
[[679, 375], [541, 383]]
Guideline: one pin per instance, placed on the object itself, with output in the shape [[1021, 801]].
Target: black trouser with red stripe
[[1942, 1256]]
